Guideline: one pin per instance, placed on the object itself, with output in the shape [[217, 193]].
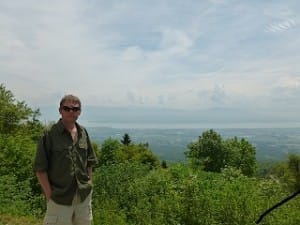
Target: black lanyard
[[277, 205]]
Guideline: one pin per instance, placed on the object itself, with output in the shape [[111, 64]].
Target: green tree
[[294, 171], [212, 153], [19, 131], [208, 152], [16, 116], [126, 139], [287, 172], [108, 151], [112, 151], [164, 164], [241, 155], [138, 153]]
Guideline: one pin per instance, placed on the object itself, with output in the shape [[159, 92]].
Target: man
[[63, 165]]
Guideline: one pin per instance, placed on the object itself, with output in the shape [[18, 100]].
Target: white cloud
[[176, 41], [281, 26], [196, 54]]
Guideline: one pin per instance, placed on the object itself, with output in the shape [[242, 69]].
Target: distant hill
[[170, 144]]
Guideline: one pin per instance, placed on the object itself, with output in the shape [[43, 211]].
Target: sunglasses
[[68, 109]]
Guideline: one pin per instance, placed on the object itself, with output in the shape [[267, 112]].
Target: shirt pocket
[[61, 147], [61, 153], [83, 149]]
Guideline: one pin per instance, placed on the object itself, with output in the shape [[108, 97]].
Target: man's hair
[[70, 98]]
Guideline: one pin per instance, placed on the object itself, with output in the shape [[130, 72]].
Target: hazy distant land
[[170, 144], [169, 131]]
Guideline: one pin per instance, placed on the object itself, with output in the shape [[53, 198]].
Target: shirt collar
[[61, 127]]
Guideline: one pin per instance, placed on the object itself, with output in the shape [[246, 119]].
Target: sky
[[232, 57]]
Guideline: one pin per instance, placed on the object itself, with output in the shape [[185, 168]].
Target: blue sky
[[199, 55]]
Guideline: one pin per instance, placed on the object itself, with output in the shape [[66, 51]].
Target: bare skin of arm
[[42, 177], [90, 173]]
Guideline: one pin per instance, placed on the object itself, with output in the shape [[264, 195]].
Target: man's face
[[70, 111]]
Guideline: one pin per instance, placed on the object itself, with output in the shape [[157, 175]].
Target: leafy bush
[[133, 194], [129, 188]]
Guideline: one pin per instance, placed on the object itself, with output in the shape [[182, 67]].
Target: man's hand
[[42, 177]]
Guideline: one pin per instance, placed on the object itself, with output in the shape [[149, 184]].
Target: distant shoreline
[[191, 125]]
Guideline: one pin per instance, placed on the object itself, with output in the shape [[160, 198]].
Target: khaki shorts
[[79, 213]]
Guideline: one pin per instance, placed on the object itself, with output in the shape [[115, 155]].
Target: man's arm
[[90, 173], [42, 177]]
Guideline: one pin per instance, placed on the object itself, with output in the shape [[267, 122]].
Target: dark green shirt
[[66, 162]]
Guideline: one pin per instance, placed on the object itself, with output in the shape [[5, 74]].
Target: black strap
[[277, 205]]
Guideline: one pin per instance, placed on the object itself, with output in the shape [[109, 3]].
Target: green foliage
[[287, 172], [19, 131], [130, 188], [16, 156], [137, 153], [20, 220], [108, 151], [133, 194], [212, 153], [16, 197], [111, 196], [126, 139], [164, 164], [16, 116], [112, 151], [241, 155], [208, 151], [294, 171]]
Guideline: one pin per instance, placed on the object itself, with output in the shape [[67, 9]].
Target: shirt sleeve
[[41, 160], [92, 158]]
